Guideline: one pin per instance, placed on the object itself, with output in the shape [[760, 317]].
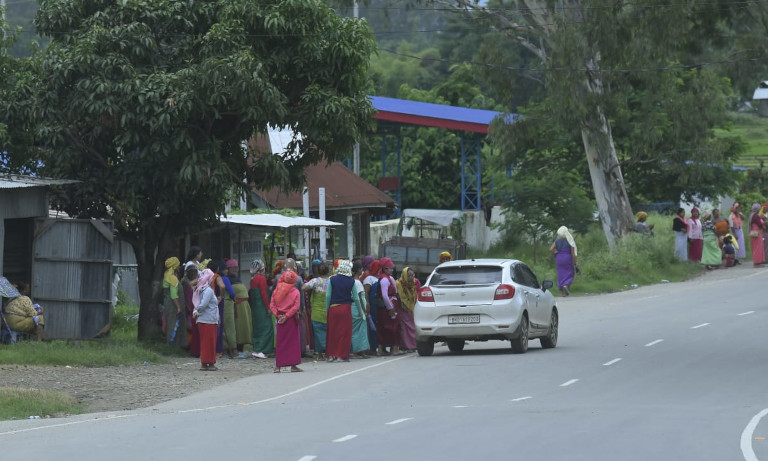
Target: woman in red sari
[[388, 325], [285, 307]]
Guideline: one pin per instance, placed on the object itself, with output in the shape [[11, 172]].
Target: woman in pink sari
[[285, 307], [756, 235]]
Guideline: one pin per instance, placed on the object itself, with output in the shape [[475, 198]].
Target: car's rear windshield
[[466, 275]]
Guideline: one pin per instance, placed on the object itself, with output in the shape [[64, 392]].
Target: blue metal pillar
[[471, 171], [384, 155]]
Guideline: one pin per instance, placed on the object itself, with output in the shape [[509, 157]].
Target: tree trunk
[[604, 169], [151, 265]]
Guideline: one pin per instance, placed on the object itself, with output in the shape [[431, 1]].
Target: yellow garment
[[733, 240], [20, 315], [171, 264], [406, 289], [642, 215]]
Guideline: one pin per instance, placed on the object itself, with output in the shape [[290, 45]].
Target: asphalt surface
[[664, 372]]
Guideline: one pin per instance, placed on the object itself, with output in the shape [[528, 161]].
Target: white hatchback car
[[482, 299]]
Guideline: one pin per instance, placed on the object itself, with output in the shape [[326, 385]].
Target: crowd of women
[[715, 241], [353, 309]]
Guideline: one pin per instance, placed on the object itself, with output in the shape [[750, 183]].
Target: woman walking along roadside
[[285, 307], [564, 250]]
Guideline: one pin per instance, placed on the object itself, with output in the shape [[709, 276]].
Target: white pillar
[[305, 206], [350, 238], [321, 201]]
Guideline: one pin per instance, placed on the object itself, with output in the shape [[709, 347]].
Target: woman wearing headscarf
[[368, 278], [388, 325], [175, 318], [285, 307], [756, 235], [695, 237], [206, 314], [241, 308], [318, 288], [360, 344], [263, 324], [188, 282], [736, 223], [406, 290], [721, 226], [564, 250], [711, 255], [445, 256], [340, 299], [680, 228], [642, 226]]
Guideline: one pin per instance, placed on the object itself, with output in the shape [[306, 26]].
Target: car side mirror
[[547, 284]]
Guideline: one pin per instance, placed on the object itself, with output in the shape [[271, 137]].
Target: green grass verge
[[18, 403], [637, 260], [753, 130]]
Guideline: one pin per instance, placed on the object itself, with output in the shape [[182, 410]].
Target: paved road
[[666, 372]]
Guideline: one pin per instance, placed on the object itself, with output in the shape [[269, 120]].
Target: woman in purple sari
[[564, 250]]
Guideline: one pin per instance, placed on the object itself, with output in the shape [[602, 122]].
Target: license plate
[[463, 319]]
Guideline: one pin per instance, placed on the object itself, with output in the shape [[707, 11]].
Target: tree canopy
[[149, 103]]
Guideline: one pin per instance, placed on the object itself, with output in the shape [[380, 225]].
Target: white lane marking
[[307, 458], [653, 343], [398, 421], [72, 423], [746, 436], [345, 438], [649, 297], [325, 381], [607, 364], [460, 406], [520, 399], [568, 383], [746, 313], [699, 326], [288, 394]]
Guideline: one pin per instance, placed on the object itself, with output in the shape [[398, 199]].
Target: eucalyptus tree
[[587, 52], [149, 103]]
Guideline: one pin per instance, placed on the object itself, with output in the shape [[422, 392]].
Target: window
[[467, 275], [524, 276]]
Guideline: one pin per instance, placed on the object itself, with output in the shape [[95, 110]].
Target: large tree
[[587, 54], [149, 104]]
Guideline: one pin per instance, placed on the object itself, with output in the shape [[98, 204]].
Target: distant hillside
[[20, 13], [753, 130]]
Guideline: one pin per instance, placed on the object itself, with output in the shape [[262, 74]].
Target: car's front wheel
[[520, 343], [455, 345], [425, 348], [550, 341]]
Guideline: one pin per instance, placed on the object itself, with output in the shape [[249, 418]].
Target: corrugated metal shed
[[343, 190], [17, 182], [436, 115]]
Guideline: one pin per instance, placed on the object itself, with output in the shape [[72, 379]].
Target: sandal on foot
[[277, 370], [296, 370]]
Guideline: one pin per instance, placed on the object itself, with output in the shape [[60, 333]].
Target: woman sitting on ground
[[24, 316]]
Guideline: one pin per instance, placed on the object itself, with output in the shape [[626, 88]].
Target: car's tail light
[[504, 291], [425, 295]]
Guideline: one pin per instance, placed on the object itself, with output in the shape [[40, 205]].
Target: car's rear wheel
[[550, 341], [520, 343], [455, 345], [425, 348]]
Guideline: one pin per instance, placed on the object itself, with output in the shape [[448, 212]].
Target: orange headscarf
[[286, 282]]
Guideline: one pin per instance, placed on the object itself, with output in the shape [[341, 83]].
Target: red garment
[[339, 337], [695, 250], [387, 328], [208, 333], [287, 306], [287, 343]]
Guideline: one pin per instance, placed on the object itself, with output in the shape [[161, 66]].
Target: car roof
[[479, 262]]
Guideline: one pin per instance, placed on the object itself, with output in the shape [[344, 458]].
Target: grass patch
[[16, 403], [120, 348], [637, 260]]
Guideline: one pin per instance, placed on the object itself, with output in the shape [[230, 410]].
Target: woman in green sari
[[712, 255], [263, 335]]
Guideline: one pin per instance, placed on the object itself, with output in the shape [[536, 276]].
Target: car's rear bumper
[[490, 327]]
